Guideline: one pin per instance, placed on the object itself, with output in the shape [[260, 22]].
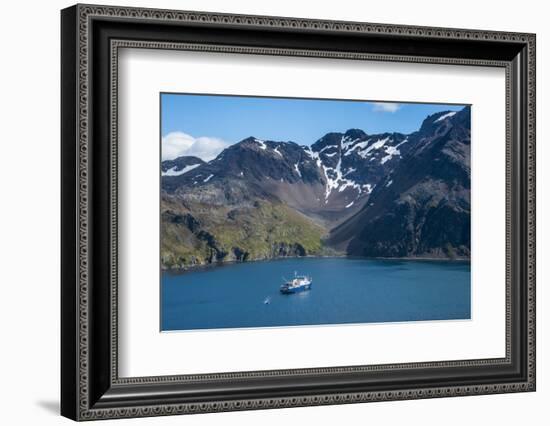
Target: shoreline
[[207, 266]]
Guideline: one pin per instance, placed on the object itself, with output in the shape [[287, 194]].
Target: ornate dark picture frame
[[91, 37]]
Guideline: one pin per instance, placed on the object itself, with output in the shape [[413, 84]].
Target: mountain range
[[352, 193]]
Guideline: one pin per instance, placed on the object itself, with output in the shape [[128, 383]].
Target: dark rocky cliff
[[421, 208]]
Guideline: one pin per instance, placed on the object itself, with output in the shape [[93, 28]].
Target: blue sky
[[223, 120]]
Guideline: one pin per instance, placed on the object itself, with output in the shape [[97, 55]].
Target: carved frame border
[[87, 12]]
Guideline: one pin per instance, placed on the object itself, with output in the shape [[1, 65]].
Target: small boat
[[296, 285], [267, 301]]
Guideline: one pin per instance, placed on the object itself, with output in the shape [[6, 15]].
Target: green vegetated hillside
[[262, 230]]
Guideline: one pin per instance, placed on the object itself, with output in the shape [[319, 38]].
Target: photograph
[[279, 212]]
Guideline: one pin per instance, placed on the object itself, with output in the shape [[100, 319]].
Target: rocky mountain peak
[[433, 121], [352, 134]]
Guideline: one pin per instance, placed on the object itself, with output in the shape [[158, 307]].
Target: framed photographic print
[[263, 212]]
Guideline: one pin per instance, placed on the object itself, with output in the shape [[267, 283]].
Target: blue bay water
[[344, 291]]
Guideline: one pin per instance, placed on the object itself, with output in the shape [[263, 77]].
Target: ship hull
[[293, 290]]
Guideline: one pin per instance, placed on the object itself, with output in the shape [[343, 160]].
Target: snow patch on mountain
[[262, 144], [328, 147], [444, 116], [350, 170], [369, 188], [313, 155], [174, 172], [376, 145], [346, 142], [346, 183], [331, 182], [360, 145], [390, 152], [337, 181], [297, 169], [208, 178], [402, 142]]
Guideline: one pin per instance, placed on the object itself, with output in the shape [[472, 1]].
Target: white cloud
[[176, 144], [386, 107]]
